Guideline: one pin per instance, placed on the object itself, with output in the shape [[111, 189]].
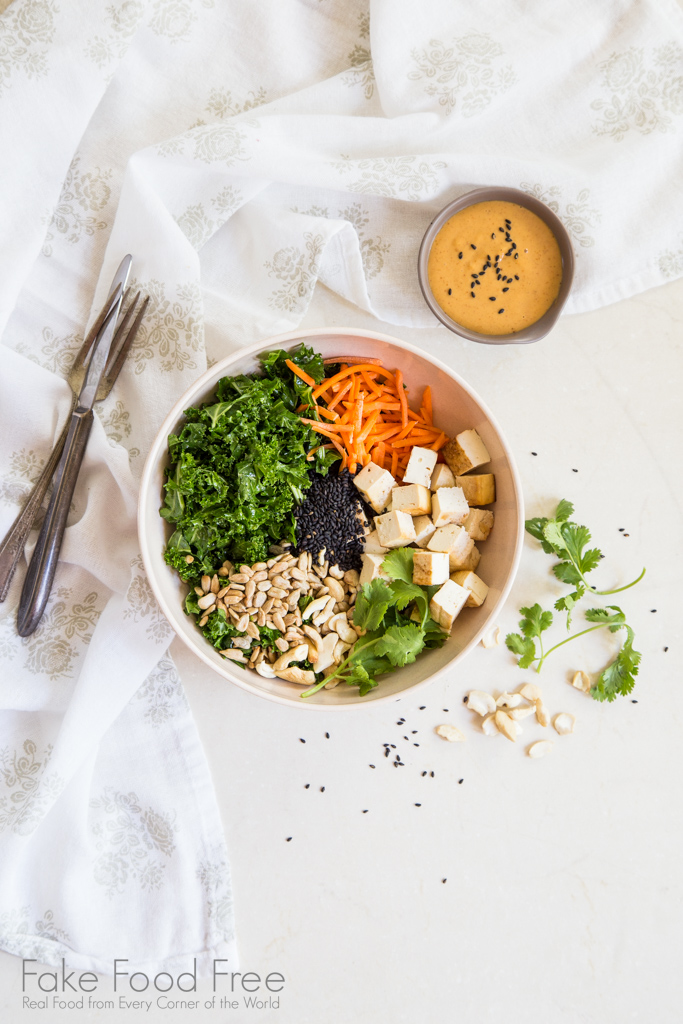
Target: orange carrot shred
[[300, 373]]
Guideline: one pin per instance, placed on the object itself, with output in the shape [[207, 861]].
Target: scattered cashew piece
[[540, 748], [481, 702], [564, 723], [507, 726], [530, 692], [450, 733], [581, 682], [492, 638], [542, 715]]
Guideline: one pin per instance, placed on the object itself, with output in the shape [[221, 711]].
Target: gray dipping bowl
[[546, 323]]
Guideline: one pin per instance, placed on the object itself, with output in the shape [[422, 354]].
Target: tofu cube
[[447, 603], [430, 568], [449, 505], [465, 451], [479, 488], [414, 499], [373, 546], [442, 477], [375, 484], [477, 588], [479, 523], [465, 560], [372, 568], [424, 528], [395, 529], [452, 539], [420, 466]]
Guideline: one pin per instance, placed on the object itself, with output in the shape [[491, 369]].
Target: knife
[[41, 571]]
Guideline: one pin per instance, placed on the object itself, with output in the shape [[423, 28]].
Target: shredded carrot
[[402, 398], [300, 373], [368, 416]]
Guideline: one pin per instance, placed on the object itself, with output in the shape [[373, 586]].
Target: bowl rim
[[500, 193], [159, 445]]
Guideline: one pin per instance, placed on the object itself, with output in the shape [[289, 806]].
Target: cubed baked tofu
[[430, 568], [375, 484], [442, 477], [479, 523], [395, 529], [465, 451], [465, 560], [447, 603], [372, 568], [479, 488], [414, 499], [373, 546], [420, 466], [449, 505], [424, 528], [476, 586], [452, 539]]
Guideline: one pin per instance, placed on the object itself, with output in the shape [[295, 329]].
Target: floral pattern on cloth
[[41, 940], [646, 91], [30, 788], [26, 31], [133, 842], [468, 72]]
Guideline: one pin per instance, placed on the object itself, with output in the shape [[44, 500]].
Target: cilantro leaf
[[575, 540], [619, 678], [371, 604], [564, 510], [401, 644], [404, 593], [399, 564], [524, 648], [535, 621]]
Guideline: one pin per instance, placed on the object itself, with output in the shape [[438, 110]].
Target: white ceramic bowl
[[456, 407]]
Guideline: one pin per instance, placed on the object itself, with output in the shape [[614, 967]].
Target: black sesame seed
[[516, 257], [493, 235], [450, 290], [460, 782], [500, 229], [416, 744], [443, 881], [393, 746], [365, 811], [492, 298], [514, 246], [459, 255], [472, 246], [288, 839], [418, 805], [431, 774], [621, 529], [634, 702], [414, 732], [534, 453], [653, 610], [506, 289], [465, 699], [423, 707], [472, 294], [307, 786], [516, 275], [423, 774], [575, 471], [301, 740], [371, 766], [322, 789], [501, 310], [666, 649], [327, 735], [475, 276], [445, 709]]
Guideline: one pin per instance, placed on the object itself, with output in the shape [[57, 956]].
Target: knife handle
[[41, 571], [12, 547]]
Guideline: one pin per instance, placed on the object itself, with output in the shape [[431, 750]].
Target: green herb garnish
[[568, 541], [238, 467], [392, 639]]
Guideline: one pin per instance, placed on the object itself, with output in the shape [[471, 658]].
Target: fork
[[12, 546]]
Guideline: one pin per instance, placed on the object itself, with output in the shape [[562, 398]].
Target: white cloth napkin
[[242, 153]]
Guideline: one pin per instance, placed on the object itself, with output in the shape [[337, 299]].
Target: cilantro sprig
[[568, 541], [559, 536], [391, 639]]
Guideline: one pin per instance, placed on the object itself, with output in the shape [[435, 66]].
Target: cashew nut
[[335, 588], [314, 608], [325, 614], [326, 652], [340, 624], [265, 670], [297, 675], [299, 653]]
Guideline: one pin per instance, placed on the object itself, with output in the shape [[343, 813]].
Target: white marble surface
[[563, 893]]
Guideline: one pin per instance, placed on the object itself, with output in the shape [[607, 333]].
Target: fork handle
[[41, 571], [12, 545]]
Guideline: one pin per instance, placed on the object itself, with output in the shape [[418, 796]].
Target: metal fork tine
[[119, 336], [82, 356], [113, 373]]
